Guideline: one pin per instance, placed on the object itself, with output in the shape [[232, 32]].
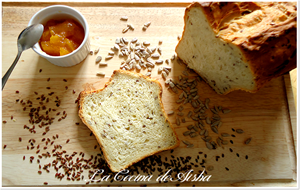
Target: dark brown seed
[[17, 92], [231, 141], [48, 87], [66, 87], [4, 146], [20, 139], [68, 141], [74, 92], [45, 183], [23, 157], [65, 80], [248, 140], [230, 150], [226, 168], [40, 172], [246, 157], [237, 154], [4, 121]]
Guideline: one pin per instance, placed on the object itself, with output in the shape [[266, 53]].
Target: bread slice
[[239, 45], [128, 119]]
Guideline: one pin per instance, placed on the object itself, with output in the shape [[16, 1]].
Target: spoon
[[27, 38]]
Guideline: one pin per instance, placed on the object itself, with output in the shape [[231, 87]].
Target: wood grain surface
[[268, 116]]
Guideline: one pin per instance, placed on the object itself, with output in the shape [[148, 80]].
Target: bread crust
[[269, 47], [84, 93]]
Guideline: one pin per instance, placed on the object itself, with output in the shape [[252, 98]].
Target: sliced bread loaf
[[128, 119], [239, 45]]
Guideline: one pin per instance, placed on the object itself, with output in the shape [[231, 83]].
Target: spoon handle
[[7, 74]]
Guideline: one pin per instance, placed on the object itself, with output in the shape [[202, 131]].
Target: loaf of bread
[[128, 119], [239, 45]]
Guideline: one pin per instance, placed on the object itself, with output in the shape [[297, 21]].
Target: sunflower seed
[[186, 133], [180, 108], [159, 61], [207, 100], [190, 127], [208, 121], [101, 73], [178, 121], [225, 135], [214, 144], [164, 74], [170, 112], [224, 142], [206, 133], [219, 141], [189, 114], [96, 50], [208, 145], [147, 24], [214, 111], [202, 132], [173, 57], [226, 111], [125, 30], [239, 131], [190, 146], [102, 64], [215, 130], [220, 124], [159, 50], [146, 43], [134, 40], [167, 61], [98, 59], [144, 28], [148, 74], [125, 18], [186, 142], [111, 53], [130, 26], [192, 135], [248, 140], [210, 168], [215, 123], [180, 114], [155, 56]]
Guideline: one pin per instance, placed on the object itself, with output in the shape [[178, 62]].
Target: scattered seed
[[239, 131], [101, 73], [125, 29], [208, 145], [170, 112], [226, 111], [210, 168], [124, 18], [98, 59], [248, 140], [186, 142]]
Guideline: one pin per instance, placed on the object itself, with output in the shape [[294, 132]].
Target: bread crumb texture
[[128, 119], [239, 45]]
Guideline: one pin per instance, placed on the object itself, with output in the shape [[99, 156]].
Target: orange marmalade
[[61, 37]]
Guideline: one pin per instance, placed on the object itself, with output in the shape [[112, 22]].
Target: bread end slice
[[128, 119]]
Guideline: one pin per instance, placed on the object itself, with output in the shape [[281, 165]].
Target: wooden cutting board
[[267, 116]]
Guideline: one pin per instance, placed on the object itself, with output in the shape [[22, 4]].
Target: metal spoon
[[27, 38]]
